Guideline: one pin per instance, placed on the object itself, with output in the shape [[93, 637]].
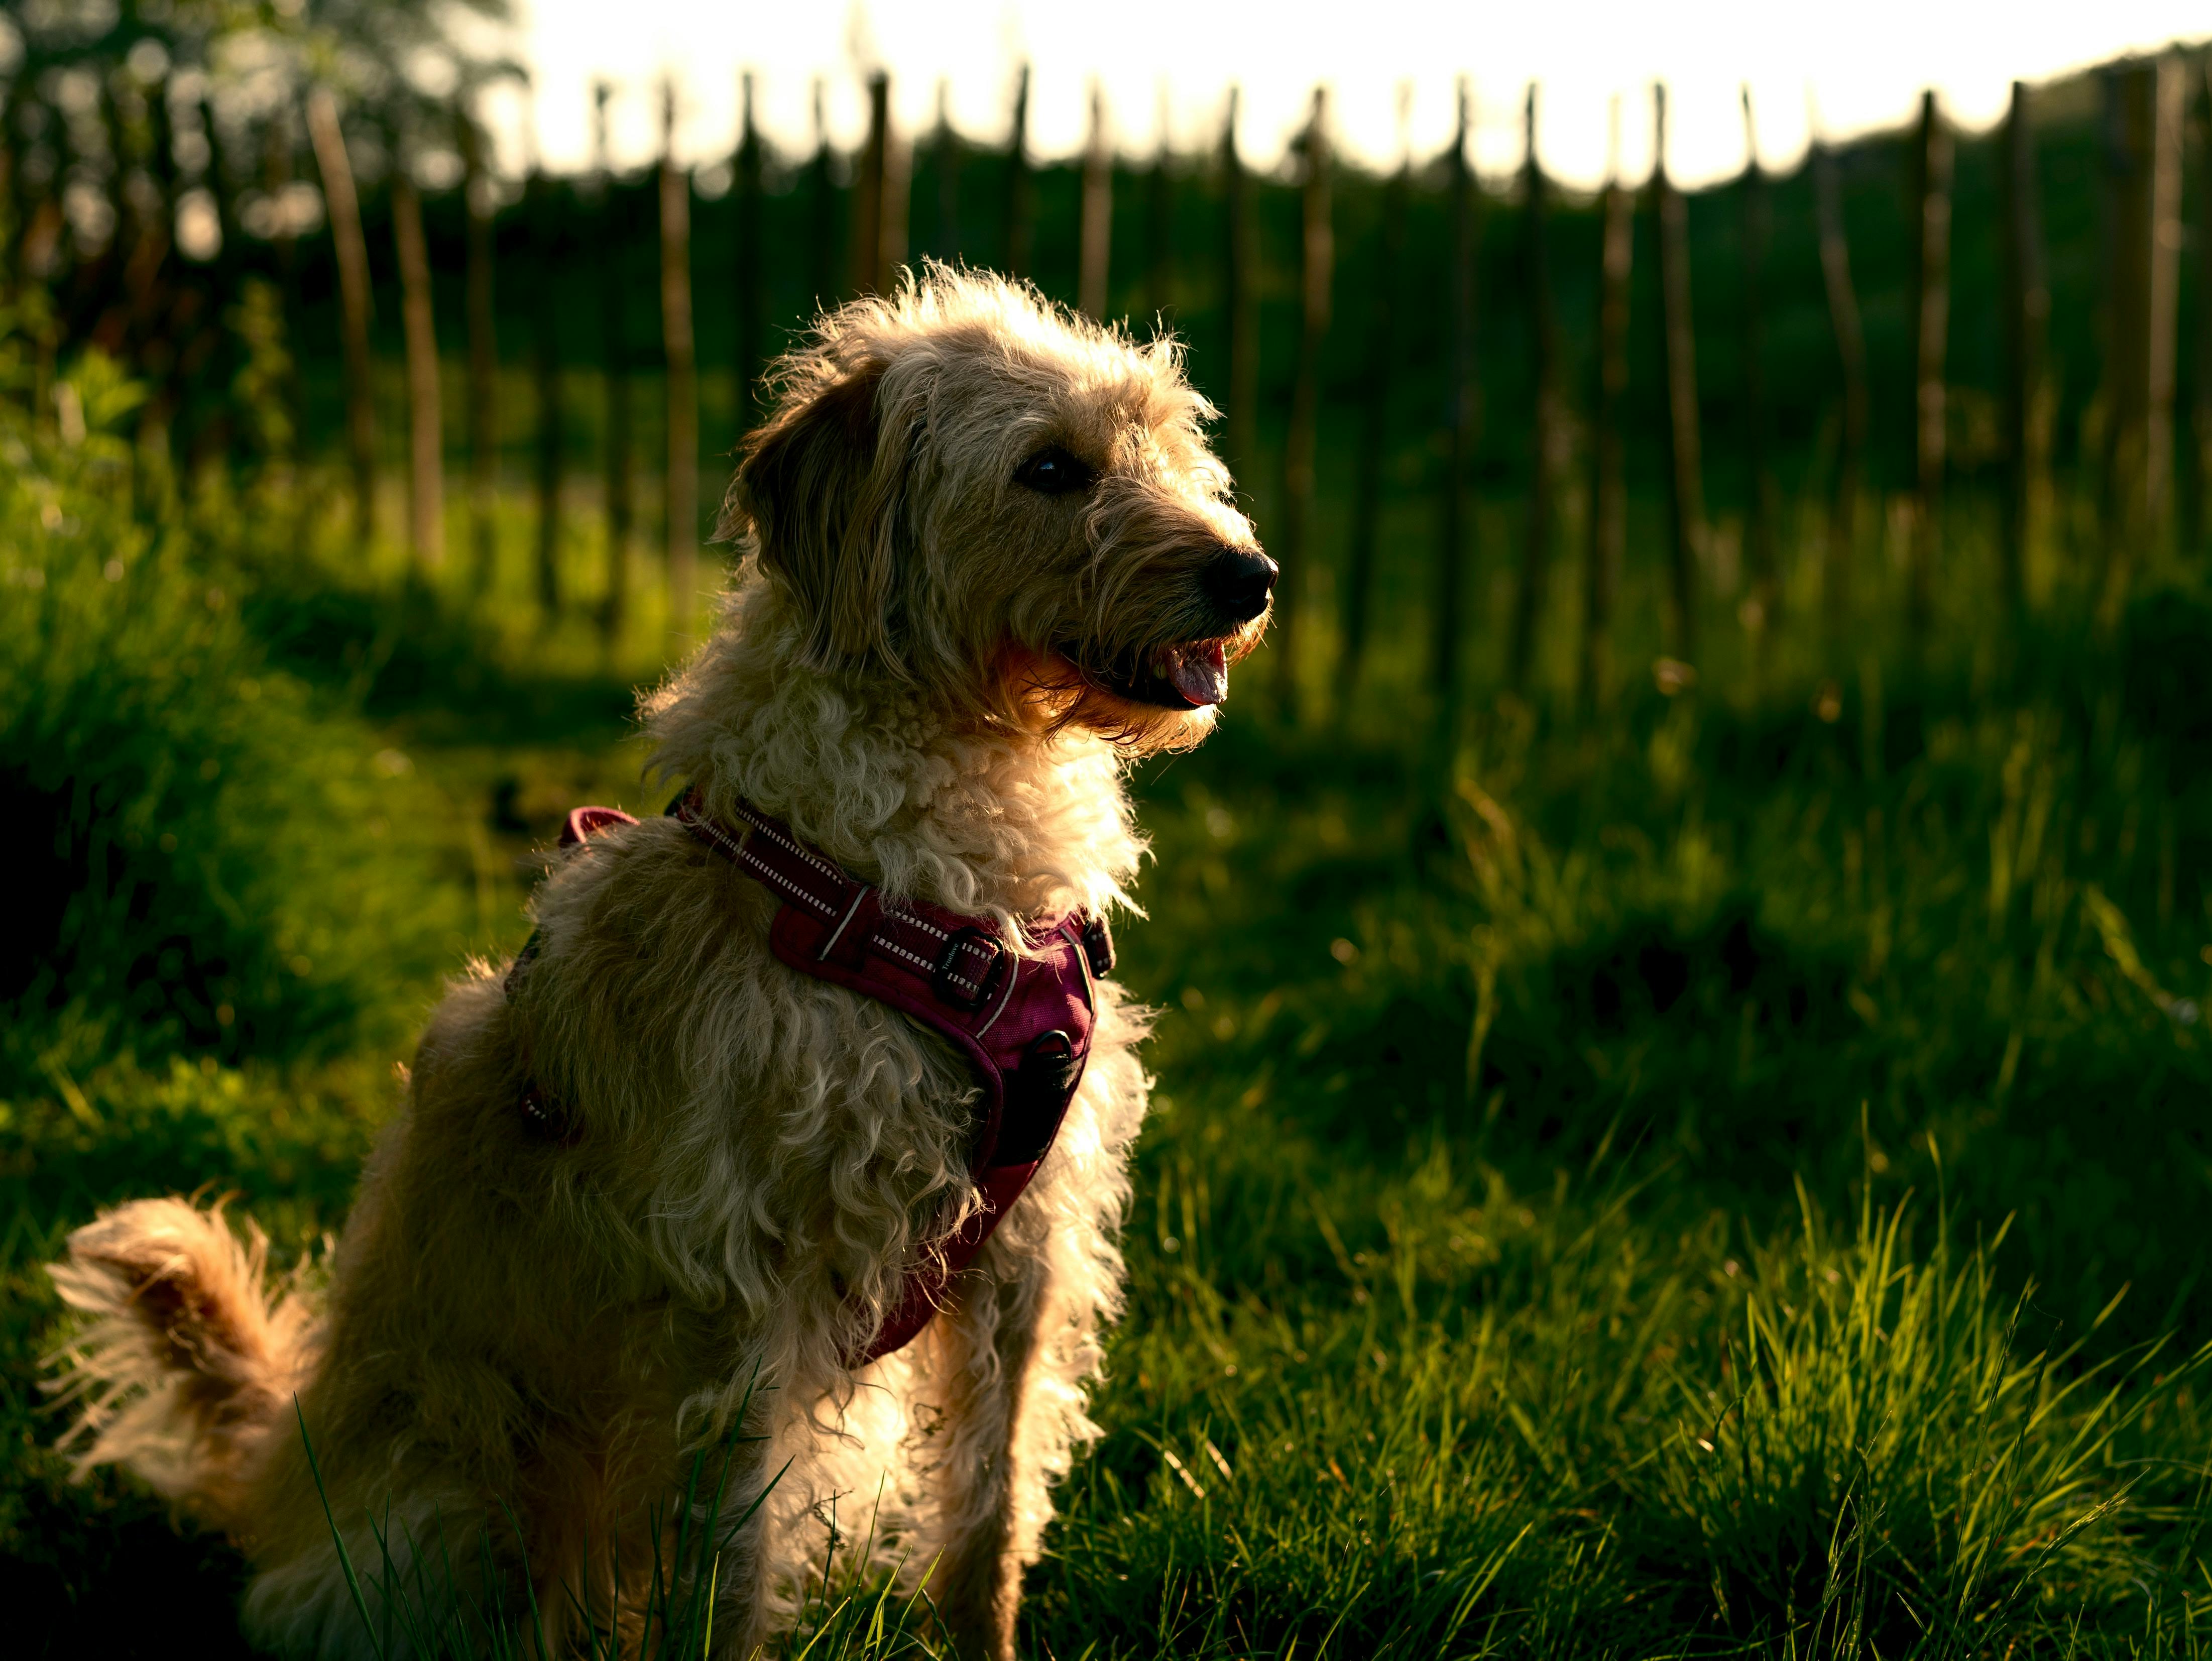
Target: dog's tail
[[189, 1359]]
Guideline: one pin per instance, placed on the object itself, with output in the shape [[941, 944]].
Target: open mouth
[[1190, 674]]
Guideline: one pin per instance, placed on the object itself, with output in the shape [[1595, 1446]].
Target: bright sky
[[1860, 64]]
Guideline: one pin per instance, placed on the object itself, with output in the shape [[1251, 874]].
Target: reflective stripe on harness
[[1023, 1020]]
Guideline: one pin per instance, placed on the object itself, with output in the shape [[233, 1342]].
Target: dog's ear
[[821, 488]]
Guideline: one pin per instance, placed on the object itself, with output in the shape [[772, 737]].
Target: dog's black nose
[[1239, 580]]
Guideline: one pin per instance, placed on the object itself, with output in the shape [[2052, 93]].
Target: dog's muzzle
[[1235, 587]]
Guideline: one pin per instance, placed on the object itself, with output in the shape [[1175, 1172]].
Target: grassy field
[[1726, 1176]]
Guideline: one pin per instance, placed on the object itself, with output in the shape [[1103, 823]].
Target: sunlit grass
[[1719, 1177]]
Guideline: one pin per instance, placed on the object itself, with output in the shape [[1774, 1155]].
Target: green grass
[[1722, 1177]]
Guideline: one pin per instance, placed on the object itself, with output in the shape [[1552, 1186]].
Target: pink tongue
[[1199, 672]]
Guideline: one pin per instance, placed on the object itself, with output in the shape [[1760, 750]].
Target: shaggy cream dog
[[988, 558]]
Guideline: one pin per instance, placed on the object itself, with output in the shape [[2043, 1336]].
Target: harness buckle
[[945, 980], [1098, 945]]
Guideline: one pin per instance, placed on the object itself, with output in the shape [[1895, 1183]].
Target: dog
[[985, 558]]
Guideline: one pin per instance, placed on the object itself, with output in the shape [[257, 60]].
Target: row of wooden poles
[[2144, 107]]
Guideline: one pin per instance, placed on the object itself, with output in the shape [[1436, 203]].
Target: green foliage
[[289, 1148], [1482, 1237], [1889, 1462], [262, 386], [206, 856], [1488, 1290], [1548, 1430]]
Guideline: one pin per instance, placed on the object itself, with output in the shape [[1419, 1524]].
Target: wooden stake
[[1462, 418], [2026, 316], [140, 241], [2143, 185], [1546, 428], [1237, 299], [822, 193], [220, 178], [18, 197], [1317, 277], [277, 427], [1763, 612], [682, 492], [1851, 356], [898, 205], [156, 294], [1685, 485], [10, 200], [2198, 451], [545, 371], [880, 195], [94, 305], [947, 157], [1159, 221], [426, 478], [1375, 426], [1931, 318], [276, 177], [2109, 407], [747, 171], [483, 349], [868, 268], [1095, 259], [158, 285], [614, 362], [1018, 183], [1608, 524], [276, 141], [343, 206], [2169, 103], [38, 258]]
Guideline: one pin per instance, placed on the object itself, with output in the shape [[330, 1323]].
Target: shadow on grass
[[414, 654], [102, 1571]]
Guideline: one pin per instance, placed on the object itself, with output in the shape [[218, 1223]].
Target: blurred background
[[512, 313], [1684, 1107]]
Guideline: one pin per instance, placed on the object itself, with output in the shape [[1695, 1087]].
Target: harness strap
[[965, 965], [1023, 1020]]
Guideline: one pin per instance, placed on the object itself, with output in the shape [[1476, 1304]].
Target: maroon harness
[[1023, 1020]]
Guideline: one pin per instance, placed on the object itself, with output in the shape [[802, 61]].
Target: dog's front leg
[[988, 1489]]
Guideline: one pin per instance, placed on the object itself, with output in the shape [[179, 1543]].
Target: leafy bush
[[202, 855]]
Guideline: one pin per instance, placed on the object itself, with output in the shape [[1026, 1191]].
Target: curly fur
[[910, 669]]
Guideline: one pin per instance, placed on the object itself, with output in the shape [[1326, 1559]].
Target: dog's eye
[[1052, 472]]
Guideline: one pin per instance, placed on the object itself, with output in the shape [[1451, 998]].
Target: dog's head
[[1006, 509]]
